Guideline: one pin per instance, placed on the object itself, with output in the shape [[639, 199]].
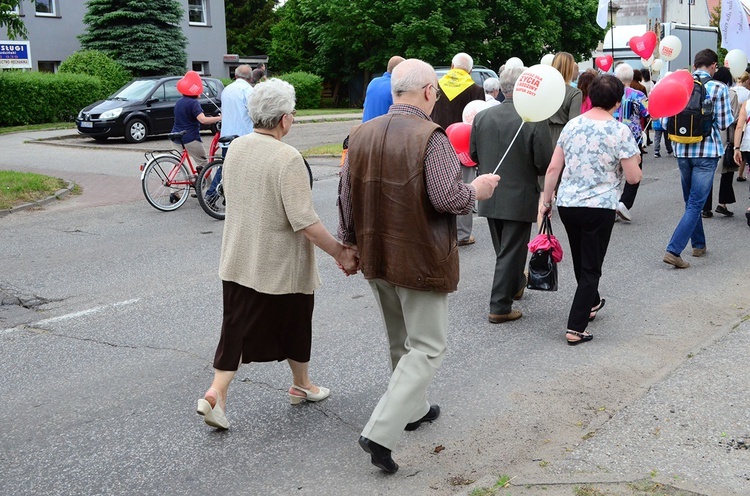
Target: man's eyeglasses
[[437, 90]]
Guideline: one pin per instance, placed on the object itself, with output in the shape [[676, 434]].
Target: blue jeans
[[211, 191], [697, 180]]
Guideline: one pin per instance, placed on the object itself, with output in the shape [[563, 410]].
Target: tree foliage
[[112, 75], [10, 21], [249, 25], [338, 39], [145, 36]]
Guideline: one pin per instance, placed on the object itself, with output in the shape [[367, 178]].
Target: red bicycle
[[167, 176]]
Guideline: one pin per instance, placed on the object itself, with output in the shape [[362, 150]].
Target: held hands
[[485, 185], [348, 260]]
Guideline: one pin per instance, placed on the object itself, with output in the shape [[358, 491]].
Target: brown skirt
[[259, 327]]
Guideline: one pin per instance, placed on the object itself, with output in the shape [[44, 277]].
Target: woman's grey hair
[[463, 61], [508, 79], [624, 73], [411, 76], [269, 102], [491, 84]]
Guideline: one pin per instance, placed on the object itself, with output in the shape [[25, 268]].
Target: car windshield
[[135, 90]]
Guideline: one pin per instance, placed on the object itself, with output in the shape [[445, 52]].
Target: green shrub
[[40, 97], [307, 87], [98, 64]]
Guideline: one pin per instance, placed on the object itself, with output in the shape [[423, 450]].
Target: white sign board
[[15, 55]]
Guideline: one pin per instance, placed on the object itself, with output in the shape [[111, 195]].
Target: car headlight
[[111, 114], [80, 115]]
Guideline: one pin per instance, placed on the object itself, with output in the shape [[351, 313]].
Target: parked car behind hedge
[[143, 107]]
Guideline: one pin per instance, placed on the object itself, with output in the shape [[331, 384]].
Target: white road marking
[[73, 315]]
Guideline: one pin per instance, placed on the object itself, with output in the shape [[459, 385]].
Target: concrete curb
[[58, 195]]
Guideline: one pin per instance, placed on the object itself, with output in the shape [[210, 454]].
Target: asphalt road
[[102, 371]]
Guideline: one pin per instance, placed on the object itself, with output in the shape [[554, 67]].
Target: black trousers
[[726, 191], [510, 239], [630, 190], [589, 231]]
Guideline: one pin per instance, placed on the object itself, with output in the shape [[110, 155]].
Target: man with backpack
[[696, 136]]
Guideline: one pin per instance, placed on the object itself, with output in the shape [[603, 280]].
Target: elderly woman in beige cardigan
[[268, 267]]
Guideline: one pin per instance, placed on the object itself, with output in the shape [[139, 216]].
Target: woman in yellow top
[[268, 267]]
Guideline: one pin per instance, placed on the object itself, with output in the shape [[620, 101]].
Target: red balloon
[[190, 84], [459, 134], [604, 62], [682, 76], [643, 45], [667, 98]]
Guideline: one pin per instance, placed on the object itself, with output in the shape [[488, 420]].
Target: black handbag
[[729, 164], [542, 268]]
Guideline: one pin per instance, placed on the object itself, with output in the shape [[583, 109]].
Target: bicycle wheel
[[210, 190], [166, 182]]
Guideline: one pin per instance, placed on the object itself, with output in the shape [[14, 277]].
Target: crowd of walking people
[[586, 159]]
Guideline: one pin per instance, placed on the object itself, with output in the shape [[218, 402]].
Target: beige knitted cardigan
[[269, 201]]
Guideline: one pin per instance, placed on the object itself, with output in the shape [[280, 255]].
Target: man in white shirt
[[235, 117]]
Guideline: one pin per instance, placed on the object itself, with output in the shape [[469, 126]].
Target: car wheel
[[100, 139], [136, 131]]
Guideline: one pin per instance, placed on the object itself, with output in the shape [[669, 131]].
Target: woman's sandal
[[584, 336], [592, 315], [212, 415]]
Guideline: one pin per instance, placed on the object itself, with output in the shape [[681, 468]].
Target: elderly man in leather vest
[[399, 195], [513, 206]]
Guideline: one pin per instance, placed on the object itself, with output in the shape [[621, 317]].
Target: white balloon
[[657, 64], [513, 62], [647, 63], [670, 47], [736, 60], [539, 92], [547, 59], [472, 109]]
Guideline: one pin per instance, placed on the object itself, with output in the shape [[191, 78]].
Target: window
[[45, 7], [48, 65], [201, 68], [197, 12], [170, 91]]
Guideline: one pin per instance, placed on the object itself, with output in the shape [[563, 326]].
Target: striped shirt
[[712, 145], [442, 172]]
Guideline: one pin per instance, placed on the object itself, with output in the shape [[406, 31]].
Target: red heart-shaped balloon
[[190, 84], [683, 77], [643, 45], [667, 98], [604, 62]]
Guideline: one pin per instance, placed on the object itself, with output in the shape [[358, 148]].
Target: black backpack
[[695, 121]]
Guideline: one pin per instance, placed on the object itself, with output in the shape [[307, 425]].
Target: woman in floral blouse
[[597, 151]]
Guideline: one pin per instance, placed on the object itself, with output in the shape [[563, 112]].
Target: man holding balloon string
[[513, 207]]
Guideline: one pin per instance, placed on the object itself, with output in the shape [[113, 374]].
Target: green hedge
[[40, 97], [307, 87], [94, 63]]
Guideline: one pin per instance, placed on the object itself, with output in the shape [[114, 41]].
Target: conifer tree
[[145, 36]]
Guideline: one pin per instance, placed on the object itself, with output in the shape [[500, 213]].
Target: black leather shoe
[[379, 455], [432, 414]]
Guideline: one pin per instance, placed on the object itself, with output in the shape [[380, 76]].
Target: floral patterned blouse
[[593, 149]]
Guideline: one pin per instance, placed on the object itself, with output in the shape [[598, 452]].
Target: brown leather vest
[[401, 238]]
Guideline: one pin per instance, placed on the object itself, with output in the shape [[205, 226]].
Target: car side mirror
[[151, 100]]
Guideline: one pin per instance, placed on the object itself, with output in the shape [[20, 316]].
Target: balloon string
[[508, 149]]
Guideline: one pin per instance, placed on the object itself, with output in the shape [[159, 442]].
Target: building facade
[[696, 12], [53, 27]]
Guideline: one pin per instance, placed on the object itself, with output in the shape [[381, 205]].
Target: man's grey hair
[[243, 71], [508, 79], [463, 61], [624, 72], [491, 84], [412, 76], [269, 102]]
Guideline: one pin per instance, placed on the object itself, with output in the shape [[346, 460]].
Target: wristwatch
[[547, 205], [736, 147]]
